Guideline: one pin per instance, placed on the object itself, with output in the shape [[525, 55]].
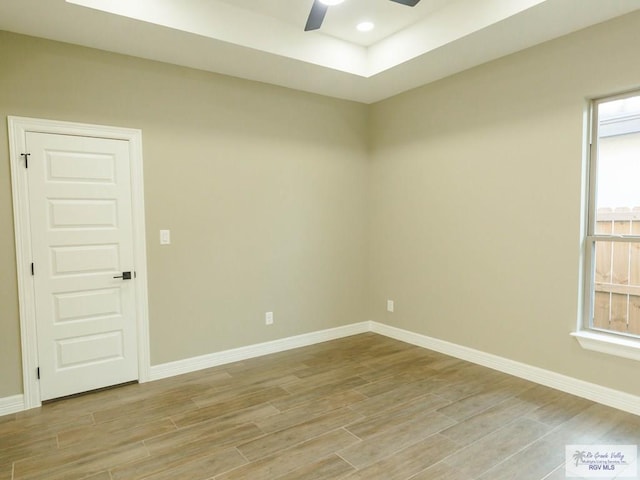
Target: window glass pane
[[618, 166], [614, 294], [616, 299]]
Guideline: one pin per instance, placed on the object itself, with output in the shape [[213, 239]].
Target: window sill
[[609, 344]]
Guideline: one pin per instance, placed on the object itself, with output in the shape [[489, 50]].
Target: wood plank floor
[[363, 407]]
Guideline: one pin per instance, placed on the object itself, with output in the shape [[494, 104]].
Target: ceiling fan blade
[[408, 3], [316, 16]]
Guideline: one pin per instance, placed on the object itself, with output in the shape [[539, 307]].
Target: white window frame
[[590, 338]]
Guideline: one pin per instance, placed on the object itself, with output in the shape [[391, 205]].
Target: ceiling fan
[[320, 7]]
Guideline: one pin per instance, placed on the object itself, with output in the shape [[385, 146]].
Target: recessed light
[[331, 2], [365, 26]]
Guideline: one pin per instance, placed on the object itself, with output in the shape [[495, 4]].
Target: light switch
[[165, 237]]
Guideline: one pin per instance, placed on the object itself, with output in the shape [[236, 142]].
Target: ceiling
[[389, 17], [263, 40]]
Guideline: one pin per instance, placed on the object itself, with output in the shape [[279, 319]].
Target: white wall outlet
[[165, 237], [390, 306], [268, 318]]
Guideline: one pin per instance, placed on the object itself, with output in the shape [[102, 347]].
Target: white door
[[82, 245]]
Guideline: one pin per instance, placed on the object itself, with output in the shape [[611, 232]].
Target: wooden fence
[[617, 273]]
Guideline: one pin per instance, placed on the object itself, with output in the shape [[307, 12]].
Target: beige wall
[[466, 194], [476, 205], [263, 188]]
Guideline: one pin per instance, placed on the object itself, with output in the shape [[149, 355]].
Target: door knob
[[124, 276]]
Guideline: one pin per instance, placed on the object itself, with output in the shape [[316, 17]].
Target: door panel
[[81, 225], [87, 304], [82, 213]]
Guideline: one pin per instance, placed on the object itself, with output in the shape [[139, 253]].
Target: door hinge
[[32, 270], [26, 159], [38, 372]]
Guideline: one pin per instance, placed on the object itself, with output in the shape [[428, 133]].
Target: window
[[612, 284]]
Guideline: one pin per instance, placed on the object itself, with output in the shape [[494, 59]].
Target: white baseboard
[[12, 404], [243, 353], [597, 393], [591, 391]]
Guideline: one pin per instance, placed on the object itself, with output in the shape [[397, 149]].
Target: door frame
[[18, 128]]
